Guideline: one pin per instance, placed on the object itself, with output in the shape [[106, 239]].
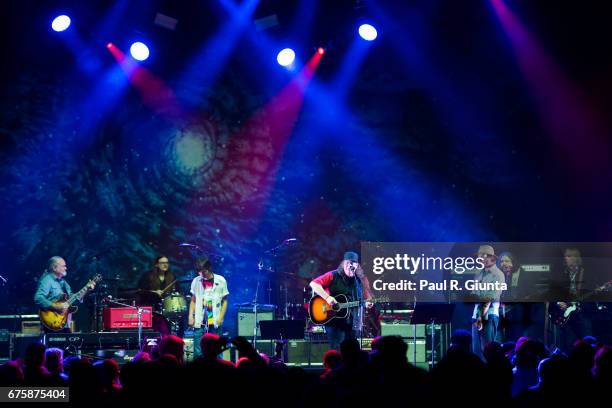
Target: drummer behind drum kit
[[169, 309]]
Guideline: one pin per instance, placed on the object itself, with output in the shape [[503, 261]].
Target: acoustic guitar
[[322, 313]]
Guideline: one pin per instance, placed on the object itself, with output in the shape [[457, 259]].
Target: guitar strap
[[65, 287]]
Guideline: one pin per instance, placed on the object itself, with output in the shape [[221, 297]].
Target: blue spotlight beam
[[207, 64], [469, 125], [301, 23], [351, 63], [332, 116]]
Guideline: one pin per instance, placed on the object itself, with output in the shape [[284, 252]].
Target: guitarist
[[486, 313], [573, 281], [52, 286], [345, 280]]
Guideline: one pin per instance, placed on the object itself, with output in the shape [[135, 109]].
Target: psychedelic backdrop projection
[[109, 163]]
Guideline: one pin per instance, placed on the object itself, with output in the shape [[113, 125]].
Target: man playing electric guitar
[[52, 287], [573, 281], [345, 280]]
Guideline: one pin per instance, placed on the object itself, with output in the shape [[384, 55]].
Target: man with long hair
[[348, 280], [575, 283], [159, 280]]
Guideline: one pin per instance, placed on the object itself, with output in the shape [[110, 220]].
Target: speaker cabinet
[[246, 321], [402, 329], [310, 353]]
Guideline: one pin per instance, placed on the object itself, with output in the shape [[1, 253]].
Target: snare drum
[[174, 304]]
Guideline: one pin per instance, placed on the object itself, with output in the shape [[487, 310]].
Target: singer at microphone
[[347, 283]]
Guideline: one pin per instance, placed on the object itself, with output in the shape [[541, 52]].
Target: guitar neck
[[591, 293], [77, 295], [349, 304], [356, 303]]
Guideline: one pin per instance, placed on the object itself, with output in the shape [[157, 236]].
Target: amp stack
[[396, 322]]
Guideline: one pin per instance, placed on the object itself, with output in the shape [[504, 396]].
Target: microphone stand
[[255, 299], [95, 259], [260, 267], [414, 335], [139, 311], [283, 288]]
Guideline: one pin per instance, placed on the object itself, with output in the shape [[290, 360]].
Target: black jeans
[[337, 334]]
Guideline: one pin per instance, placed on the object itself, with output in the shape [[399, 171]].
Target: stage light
[[321, 50], [60, 23], [367, 32], [286, 57], [139, 51]]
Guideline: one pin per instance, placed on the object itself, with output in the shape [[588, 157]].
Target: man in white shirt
[[485, 317], [208, 305]]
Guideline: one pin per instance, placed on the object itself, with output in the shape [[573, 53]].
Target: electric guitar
[[561, 317], [55, 320], [322, 313]]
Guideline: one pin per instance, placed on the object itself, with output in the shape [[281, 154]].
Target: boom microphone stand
[[139, 311], [260, 265]]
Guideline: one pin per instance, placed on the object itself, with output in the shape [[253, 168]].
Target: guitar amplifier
[[297, 352], [127, 318], [19, 343], [31, 327], [189, 349], [402, 329], [310, 353], [304, 352], [246, 319], [5, 345], [420, 345]]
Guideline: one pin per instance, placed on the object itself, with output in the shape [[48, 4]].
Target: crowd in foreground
[[523, 373]]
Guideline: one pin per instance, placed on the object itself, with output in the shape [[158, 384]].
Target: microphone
[[187, 245]]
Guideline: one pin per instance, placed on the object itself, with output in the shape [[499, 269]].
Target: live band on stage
[[336, 305]]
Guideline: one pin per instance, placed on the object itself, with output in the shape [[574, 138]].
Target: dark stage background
[[434, 132]]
